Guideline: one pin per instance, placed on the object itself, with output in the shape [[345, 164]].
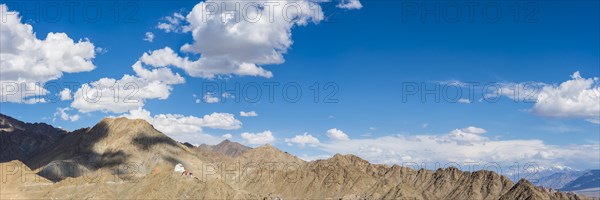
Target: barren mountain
[[227, 147], [20, 140], [525, 190], [557, 180], [118, 145], [590, 179], [126, 159]]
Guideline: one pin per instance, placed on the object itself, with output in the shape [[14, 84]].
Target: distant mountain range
[[566, 179], [129, 159], [590, 179]]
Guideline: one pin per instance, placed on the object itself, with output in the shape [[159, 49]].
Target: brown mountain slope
[[127, 159], [526, 190], [348, 176], [117, 145], [227, 147], [20, 140]]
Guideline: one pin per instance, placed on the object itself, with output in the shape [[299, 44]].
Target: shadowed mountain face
[[227, 147], [556, 180], [585, 182], [20, 140], [590, 179], [118, 145], [140, 161]]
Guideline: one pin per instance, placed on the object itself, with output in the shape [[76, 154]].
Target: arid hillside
[[129, 159]]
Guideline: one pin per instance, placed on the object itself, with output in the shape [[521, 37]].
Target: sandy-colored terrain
[[129, 159]]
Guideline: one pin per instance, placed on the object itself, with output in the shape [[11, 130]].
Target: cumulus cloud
[[467, 135], [62, 113], [187, 128], [240, 42], [337, 135], [209, 98], [65, 94], [261, 138], [28, 62], [128, 93], [303, 140], [226, 121], [465, 145], [174, 23], [248, 114], [575, 98]]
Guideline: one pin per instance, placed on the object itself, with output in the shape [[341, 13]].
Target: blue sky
[[366, 53]]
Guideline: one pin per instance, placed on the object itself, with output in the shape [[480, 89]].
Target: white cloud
[[336, 134], [65, 94], [465, 101], [575, 98], [209, 98], [309, 158], [62, 113], [173, 23], [350, 4], [473, 130], [163, 75], [465, 145], [248, 114], [225, 121], [185, 128], [303, 140], [162, 58], [467, 135], [261, 138], [526, 92], [236, 42], [128, 93], [424, 125], [227, 95], [594, 121], [100, 50], [227, 136], [27, 60], [149, 37]]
